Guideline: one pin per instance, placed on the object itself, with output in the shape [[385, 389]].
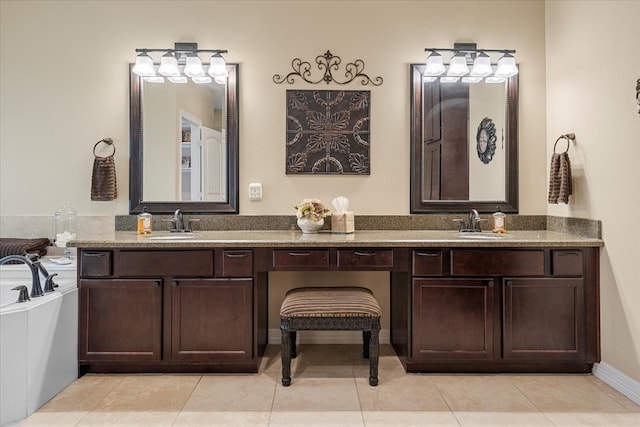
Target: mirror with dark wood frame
[[168, 161], [464, 145]]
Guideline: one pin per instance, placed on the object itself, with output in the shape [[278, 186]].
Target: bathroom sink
[[481, 236], [172, 237]]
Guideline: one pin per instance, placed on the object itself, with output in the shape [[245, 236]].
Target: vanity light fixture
[[180, 63], [464, 56]]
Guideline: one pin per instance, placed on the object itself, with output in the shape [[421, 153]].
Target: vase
[[310, 226]]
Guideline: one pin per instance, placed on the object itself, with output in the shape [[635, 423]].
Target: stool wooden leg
[[285, 354], [374, 354], [293, 334], [366, 338]]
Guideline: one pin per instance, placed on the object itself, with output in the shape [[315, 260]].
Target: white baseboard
[[329, 337], [618, 380]]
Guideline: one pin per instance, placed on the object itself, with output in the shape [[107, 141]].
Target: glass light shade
[[156, 79], [449, 79], [458, 66], [181, 79], [434, 65], [506, 66], [481, 66], [493, 79], [193, 67], [221, 80], [169, 65], [201, 80], [217, 67], [471, 79], [144, 65], [429, 79]]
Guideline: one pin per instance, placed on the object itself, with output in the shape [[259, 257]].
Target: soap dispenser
[[144, 222], [499, 221]]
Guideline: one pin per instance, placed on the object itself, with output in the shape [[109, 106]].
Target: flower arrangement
[[311, 208]]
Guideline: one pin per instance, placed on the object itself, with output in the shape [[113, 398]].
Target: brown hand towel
[[15, 246], [103, 179], [560, 178]]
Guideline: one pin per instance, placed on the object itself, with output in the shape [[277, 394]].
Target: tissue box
[[342, 222]]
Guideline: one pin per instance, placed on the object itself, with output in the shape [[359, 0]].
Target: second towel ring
[[567, 137], [107, 141]]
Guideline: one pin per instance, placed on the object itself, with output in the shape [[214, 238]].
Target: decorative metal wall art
[[328, 132], [486, 140], [327, 62]]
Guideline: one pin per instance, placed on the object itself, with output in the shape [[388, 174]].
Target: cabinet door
[[453, 319], [211, 319], [120, 320], [544, 318]]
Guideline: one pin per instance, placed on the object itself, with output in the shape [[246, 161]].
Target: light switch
[[255, 191]]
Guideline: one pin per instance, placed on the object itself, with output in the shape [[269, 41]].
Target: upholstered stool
[[338, 308]]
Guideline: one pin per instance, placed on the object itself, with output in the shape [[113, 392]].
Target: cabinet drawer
[[301, 258], [365, 258], [427, 262], [497, 262], [566, 262], [166, 263], [95, 263], [236, 263]]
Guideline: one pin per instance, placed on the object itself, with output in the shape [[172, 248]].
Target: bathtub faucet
[[36, 289]]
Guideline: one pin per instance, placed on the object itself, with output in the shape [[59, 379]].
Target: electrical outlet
[[255, 191]]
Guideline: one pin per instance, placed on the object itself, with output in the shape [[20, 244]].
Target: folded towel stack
[[15, 246], [560, 178]]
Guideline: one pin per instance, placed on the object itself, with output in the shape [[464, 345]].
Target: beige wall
[[593, 63], [64, 68]]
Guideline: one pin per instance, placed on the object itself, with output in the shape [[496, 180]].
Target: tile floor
[[330, 388]]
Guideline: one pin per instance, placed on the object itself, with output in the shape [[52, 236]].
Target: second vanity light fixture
[[180, 63], [465, 55]]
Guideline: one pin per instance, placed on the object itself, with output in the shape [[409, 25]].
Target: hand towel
[[103, 178], [560, 178], [15, 246]]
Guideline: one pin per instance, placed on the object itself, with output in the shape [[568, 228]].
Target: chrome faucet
[[178, 224], [34, 266], [472, 224]]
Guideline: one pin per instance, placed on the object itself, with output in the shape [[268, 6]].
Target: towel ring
[[107, 141], [567, 137]]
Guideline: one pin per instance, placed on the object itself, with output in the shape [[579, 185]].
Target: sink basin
[[481, 236], [173, 237]]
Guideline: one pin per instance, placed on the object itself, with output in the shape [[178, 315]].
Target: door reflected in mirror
[[464, 145], [184, 146]]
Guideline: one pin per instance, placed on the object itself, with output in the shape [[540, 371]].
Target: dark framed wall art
[[328, 132]]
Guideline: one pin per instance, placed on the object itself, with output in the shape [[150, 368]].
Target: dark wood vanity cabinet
[[167, 311], [120, 319], [500, 310]]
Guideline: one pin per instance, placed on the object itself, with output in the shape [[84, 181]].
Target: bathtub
[[38, 340]]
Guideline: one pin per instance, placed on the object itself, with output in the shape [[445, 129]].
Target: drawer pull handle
[[568, 253], [236, 255], [431, 254], [299, 253], [373, 253], [94, 254]]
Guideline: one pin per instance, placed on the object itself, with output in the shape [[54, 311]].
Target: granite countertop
[[363, 238]]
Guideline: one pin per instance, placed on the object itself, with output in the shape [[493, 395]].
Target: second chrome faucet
[[178, 224]]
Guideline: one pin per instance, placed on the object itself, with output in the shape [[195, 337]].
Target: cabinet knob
[[491, 283], [174, 283], [509, 283]]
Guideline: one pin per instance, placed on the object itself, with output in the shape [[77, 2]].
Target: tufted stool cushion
[[330, 302], [330, 308]]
